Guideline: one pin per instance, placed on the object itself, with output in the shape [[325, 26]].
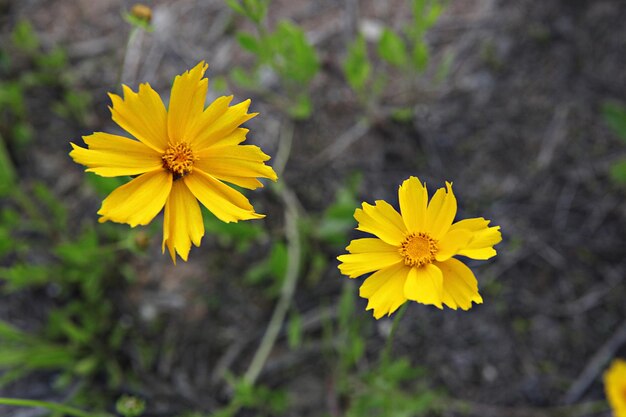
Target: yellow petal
[[441, 212], [367, 255], [235, 161], [460, 287], [182, 222], [385, 290], [452, 243], [113, 156], [224, 202], [186, 103], [206, 119], [357, 264], [139, 201], [218, 122], [243, 182], [483, 238], [381, 220], [369, 244], [143, 115], [425, 285], [615, 387], [413, 198]]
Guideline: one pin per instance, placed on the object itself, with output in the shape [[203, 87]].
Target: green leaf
[[294, 331], [55, 60], [244, 79], [12, 98], [22, 276], [357, 67], [302, 108], [24, 37], [257, 9], [236, 7], [402, 114], [294, 57], [248, 42], [420, 56], [392, 49], [219, 84], [615, 116], [618, 172], [254, 10], [7, 171]]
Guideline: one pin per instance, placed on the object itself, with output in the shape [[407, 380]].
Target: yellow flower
[[615, 387], [180, 155], [413, 252]]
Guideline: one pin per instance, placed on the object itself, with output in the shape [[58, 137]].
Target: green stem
[[294, 251], [70, 411], [394, 328], [134, 32]]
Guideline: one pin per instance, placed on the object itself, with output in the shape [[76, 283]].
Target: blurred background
[[520, 104]]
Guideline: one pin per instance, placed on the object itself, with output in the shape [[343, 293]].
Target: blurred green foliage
[[266, 401], [25, 67], [286, 51], [615, 116], [405, 51], [384, 390]]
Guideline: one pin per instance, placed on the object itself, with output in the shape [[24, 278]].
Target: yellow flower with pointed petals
[[412, 254], [615, 387], [180, 155]]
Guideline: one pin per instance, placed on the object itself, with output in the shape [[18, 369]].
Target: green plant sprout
[[285, 51], [406, 52], [615, 116]]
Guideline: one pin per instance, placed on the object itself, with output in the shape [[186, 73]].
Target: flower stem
[[294, 254], [60, 408], [394, 328]]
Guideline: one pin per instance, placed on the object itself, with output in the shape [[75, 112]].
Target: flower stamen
[[179, 159], [418, 249]]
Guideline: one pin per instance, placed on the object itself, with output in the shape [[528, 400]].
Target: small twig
[[130, 64], [351, 17], [342, 143], [284, 150], [294, 251], [595, 365], [557, 132]]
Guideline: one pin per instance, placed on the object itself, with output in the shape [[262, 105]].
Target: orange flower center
[[179, 159], [418, 249]]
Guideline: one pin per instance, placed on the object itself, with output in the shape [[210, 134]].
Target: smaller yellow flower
[[412, 254], [615, 387]]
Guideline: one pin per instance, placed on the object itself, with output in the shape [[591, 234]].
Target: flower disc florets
[[179, 159], [418, 249]]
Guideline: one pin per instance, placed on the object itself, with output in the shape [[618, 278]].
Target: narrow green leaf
[[618, 172], [615, 116], [302, 108], [236, 7], [24, 37], [7, 171], [357, 67], [248, 42], [420, 56], [392, 49], [294, 331]]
